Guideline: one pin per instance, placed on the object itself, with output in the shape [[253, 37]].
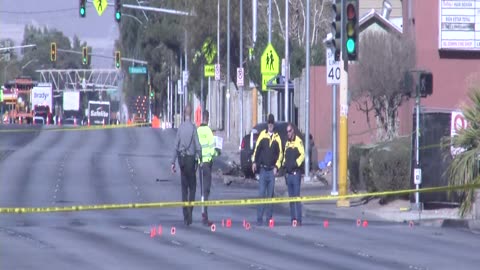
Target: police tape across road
[[235, 202], [73, 128]]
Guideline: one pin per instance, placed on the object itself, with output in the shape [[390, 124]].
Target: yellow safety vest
[[205, 136]]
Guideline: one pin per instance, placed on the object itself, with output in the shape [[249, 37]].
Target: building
[[451, 53]]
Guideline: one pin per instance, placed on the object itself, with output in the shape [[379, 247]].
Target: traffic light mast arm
[[132, 60]]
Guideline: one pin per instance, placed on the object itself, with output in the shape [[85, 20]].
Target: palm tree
[[464, 168]]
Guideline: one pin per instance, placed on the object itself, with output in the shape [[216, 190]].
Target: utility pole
[[228, 69], [307, 96], [269, 41], [343, 128], [241, 66], [287, 62], [218, 63]]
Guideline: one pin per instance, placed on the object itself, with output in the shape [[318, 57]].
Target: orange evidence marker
[[365, 224], [153, 232], [247, 226], [159, 231], [213, 227], [294, 223], [325, 223], [172, 231], [229, 223], [271, 223], [244, 223], [359, 222]]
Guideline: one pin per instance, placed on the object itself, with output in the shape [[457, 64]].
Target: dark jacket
[[268, 151], [294, 155]]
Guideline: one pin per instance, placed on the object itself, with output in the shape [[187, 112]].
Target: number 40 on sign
[[333, 68]]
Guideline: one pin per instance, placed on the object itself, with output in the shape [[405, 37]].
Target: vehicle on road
[[248, 142]]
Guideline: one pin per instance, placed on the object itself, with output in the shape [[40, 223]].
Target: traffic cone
[[75, 121], [88, 121]]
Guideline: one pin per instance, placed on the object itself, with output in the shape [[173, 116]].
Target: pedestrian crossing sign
[[270, 62], [100, 6]]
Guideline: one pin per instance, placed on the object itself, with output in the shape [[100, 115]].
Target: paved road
[[56, 168]]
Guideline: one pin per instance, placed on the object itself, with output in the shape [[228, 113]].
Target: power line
[[37, 12]]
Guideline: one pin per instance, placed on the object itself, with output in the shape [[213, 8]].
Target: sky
[[100, 32]]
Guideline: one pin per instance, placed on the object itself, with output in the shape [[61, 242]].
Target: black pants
[[207, 182], [189, 184]]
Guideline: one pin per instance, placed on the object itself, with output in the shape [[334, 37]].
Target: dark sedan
[[248, 144]]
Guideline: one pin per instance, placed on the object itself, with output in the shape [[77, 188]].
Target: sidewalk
[[396, 211]]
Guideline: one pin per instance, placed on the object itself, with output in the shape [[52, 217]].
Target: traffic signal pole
[[343, 125]]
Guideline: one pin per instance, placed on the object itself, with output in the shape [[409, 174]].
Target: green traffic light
[[350, 45], [118, 16], [82, 11]]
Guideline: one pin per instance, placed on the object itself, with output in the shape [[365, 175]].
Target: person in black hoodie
[[267, 158]]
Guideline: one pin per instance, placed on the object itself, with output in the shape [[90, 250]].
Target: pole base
[[334, 193], [307, 178], [343, 203]]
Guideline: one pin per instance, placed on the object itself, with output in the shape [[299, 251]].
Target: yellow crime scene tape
[[77, 128], [234, 202]]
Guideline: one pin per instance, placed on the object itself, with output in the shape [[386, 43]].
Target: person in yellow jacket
[[292, 162], [207, 142], [267, 157]]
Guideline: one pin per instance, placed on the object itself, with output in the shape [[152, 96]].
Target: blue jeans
[[293, 184], [266, 186]]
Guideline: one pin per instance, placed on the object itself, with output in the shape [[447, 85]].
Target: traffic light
[[117, 59], [53, 51], [83, 10], [425, 84], [84, 55], [351, 31], [337, 28], [118, 10]]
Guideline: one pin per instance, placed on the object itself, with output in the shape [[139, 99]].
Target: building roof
[[375, 17]]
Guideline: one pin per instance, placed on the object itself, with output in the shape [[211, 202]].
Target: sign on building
[[459, 25]]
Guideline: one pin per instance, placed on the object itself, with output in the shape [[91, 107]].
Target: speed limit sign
[[333, 68]]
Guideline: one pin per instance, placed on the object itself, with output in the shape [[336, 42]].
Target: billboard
[[42, 95], [99, 112], [459, 25], [71, 101]]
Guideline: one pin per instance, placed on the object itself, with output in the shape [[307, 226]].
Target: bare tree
[[379, 77]]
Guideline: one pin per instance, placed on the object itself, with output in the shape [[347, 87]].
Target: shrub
[[381, 167]]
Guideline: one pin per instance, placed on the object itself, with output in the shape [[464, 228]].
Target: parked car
[[249, 140]]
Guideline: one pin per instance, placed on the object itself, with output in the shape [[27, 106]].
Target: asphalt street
[[45, 167]]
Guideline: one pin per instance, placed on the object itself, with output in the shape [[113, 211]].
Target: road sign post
[[217, 72], [333, 68], [269, 65], [240, 78]]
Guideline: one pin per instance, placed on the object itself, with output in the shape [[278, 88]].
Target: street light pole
[[241, 66], [228, 69], [287, 61], [307, 96]]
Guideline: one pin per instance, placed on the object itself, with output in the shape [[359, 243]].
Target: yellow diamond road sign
[[270, 62], [100, 6]]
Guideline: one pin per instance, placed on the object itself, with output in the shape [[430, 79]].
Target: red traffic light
[[350, 11]]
